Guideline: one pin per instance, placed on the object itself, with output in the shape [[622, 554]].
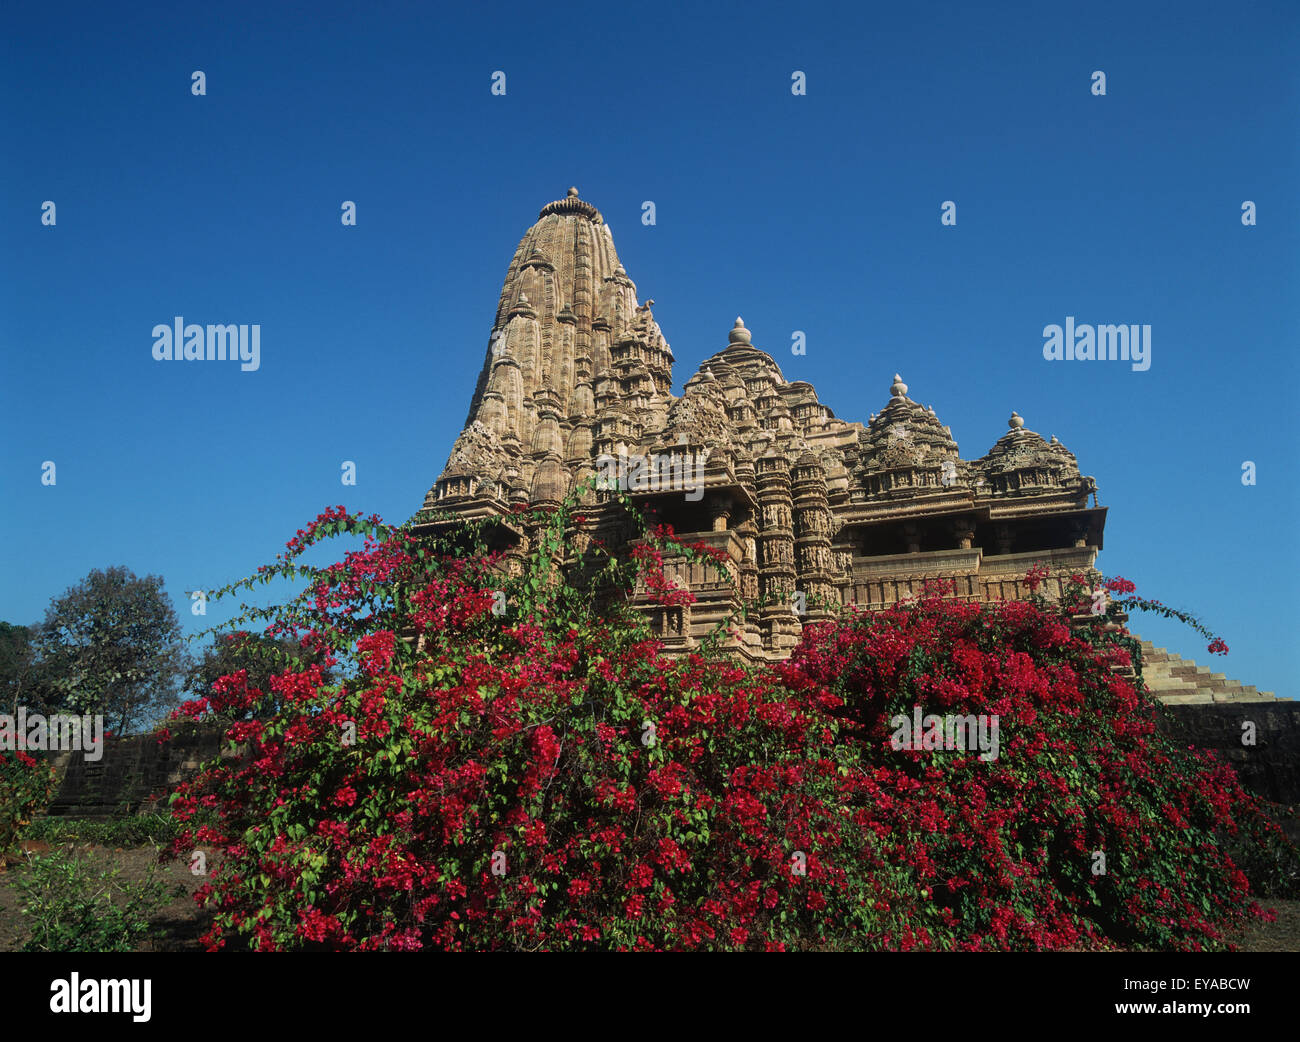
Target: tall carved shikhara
[[578, 372]]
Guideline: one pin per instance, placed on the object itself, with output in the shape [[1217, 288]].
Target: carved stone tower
[[806, 508]]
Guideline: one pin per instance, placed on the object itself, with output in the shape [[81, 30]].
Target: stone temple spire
[[567, 320], [806, 511]]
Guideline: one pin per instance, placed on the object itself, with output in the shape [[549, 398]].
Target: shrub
[[1088, 827], [135, 831], [542, 779], [77, 905], [26, 785], [508, 763]]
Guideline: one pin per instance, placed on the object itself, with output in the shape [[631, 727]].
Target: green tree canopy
[[20, 678], [112, 645]]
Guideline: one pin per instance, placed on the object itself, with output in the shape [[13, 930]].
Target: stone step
[[1168, 684], [1177, 680], [1155, 674], [1169, 689], [1190, 673]]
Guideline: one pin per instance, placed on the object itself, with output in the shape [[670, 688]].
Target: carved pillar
[[721, 514], [749, 572], [812, 536], [776, 576], [516, 555], [963, 533]]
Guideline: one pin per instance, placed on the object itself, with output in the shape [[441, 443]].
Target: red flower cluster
[[26, 784], [544, 779]]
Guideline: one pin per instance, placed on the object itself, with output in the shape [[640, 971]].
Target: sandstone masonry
[[577, 374]]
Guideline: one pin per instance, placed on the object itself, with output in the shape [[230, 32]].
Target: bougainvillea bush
[[507, 762], [26, 784], [1088, 828]]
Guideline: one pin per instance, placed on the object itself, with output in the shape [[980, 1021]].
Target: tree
[[19, 676], [112, 645]]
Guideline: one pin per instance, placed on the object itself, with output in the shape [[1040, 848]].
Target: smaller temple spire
[[739, 334]]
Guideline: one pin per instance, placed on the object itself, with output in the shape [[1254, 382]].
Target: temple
[[808, 509]]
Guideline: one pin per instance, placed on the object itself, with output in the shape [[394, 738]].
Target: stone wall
[[1271, 767], [134, 775]]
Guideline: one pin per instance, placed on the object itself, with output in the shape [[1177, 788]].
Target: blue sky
[[818, 213]]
